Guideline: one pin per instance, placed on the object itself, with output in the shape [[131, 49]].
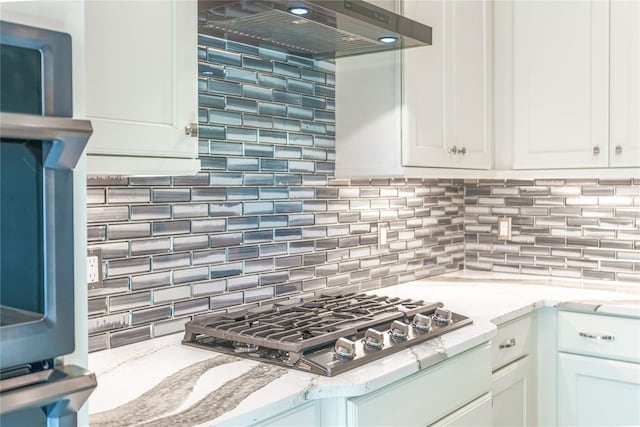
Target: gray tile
[[153, 280], [208, 225], [187, 243], [107, 214], [227, 300], [171, 293], [148, 315], [128, 195], [127, 266], [130, 336], [226, 270], [191, 306], [190, 210], [165, 228], [149, 212], [150, 246], [212, 256], [108, 323], [169, 327]]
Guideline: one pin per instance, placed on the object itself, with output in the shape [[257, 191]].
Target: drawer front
[[426, 396], [597, 335], [514, 340]]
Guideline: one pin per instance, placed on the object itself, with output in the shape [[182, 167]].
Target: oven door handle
[[69, 136]]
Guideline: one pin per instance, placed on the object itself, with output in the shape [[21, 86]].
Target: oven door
[[37, 157]]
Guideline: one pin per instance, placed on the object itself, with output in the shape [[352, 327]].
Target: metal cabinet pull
[[191, 130], [462, 151], [453, 150], [596, 337], [596, 150], [511, 342], [618, 149]]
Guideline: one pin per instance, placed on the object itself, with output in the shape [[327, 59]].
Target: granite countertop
[[164, 383]]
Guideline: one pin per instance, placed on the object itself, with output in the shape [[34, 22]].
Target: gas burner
[[328, 334]]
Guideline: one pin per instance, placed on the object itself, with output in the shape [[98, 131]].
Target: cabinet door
[[304, 415], [447, 86], [476, 413], [514, 394], [597, 392], [624, 147], [560, 84], [141, 78]]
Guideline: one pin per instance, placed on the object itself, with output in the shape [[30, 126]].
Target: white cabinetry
[[447, 87], [513, 385], [303, 415], [141, 86], [598, 370], [624, 132], [567, 88], [476, 413], [426, 397], [399, 113]]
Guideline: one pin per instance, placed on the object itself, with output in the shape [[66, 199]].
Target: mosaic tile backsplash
[[586, 228], [264, 219]]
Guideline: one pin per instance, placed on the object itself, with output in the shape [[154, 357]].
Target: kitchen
[[300, 172]]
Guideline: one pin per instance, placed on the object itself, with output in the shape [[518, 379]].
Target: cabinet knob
[[596, 150], [462, 151], [618, 149], [191, 130], [453, 150]]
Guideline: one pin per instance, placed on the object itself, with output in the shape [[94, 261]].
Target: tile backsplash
[[264, 219], [577, 228]]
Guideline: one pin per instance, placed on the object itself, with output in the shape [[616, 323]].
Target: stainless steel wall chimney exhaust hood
[[314, 28]]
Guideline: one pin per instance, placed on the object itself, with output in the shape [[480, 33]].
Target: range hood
[[314, 28]]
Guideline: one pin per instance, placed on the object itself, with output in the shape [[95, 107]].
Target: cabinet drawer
[[514, 340], [426, 396], [598, 335]]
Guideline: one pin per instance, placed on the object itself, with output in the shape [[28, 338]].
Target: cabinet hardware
[[596, 150], [596, 337], [453, 150], [618, 149], [191, 130], [511, 342], [462, 151]]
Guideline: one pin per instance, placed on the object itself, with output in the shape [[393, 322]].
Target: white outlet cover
[[504, 228]]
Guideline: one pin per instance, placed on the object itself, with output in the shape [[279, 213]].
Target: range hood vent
[[328, 28]]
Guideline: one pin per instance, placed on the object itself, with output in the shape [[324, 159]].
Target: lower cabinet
[[428, 396], [513, 392], [304, 415], [476, 413], [597, 392]]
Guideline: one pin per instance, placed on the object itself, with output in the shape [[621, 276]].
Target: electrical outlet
[[94, 268], [504, 228], [382, 235]]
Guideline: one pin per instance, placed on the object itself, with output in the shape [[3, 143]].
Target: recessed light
[[298, 10], [388, 39]]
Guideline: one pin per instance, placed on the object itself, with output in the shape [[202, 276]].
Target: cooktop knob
[[345, 348], [422, 323], [373, 340], [399, 330], [442, 317]]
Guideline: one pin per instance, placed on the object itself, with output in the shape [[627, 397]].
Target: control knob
[[373, 340], [442, 317]]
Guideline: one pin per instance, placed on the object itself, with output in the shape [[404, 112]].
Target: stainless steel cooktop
[[328, 334]]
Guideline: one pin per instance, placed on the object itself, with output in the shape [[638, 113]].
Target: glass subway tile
[[213, 162], [286, 69], [210, 70], [243, 282], [239, 75], [243, 252], [150, 246], [300, 86], [258, 150], [258, 265], [272, 137], [252, 120], [226, 300], [165, 228], [191, 306], [169, 326], [273, 165], [171, 261], [313, 76], [211, 101], [242, 164], [286, 124], [223, 57], [150, 212], [258, 236], [153, 280], [211, 256], [273, 249], [242, 223], [242, 193], [225, 239], [148, 315], [259, 294], [172, 195], [288, 207], [209, 288], [313, 127], [226, 270], [127, 266], [285, 152], [299, 139], [249, 91], [241, 104], [273, 278], [275, 82], [287, 97], [130, 336], [301, 166], [224, 118], [188, 243], [254, 208], [298, 60], [208, 225], [128, 231], [194, 210], [171, 293], [259, 179], [225, 209], [107, 214]]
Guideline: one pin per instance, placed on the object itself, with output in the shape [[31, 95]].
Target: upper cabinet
[[398, 113], [447, 87], [624, 132], [141, 87], [566, 82], [134, 77]]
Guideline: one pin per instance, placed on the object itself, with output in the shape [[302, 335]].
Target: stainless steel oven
[[40, 144]]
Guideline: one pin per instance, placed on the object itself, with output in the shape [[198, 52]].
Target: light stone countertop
[[164, 383]]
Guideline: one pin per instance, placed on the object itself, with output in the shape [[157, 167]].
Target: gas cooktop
[[326, 335]]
